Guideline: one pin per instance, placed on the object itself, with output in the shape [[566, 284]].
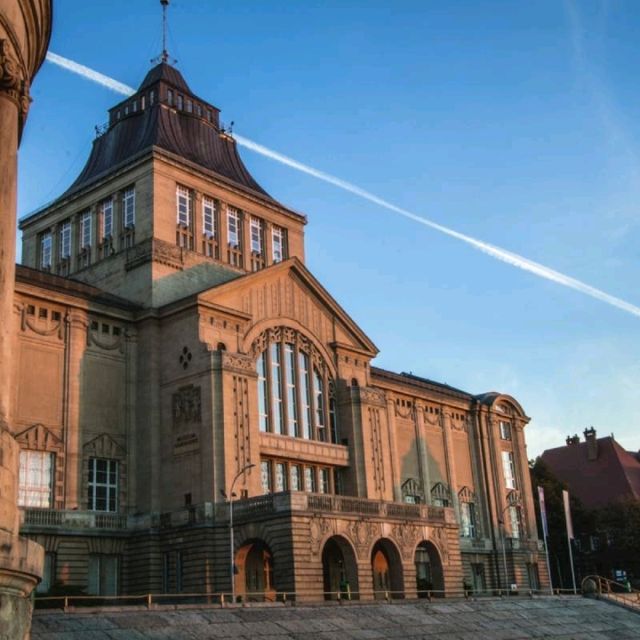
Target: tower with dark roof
[[163, 191]]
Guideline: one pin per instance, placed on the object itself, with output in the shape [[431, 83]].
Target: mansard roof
[[193, 134]]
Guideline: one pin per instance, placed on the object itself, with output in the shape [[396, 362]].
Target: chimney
[[592, 443], [574, 439]]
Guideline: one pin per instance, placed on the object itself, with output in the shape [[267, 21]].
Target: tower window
[[209, 216], [85, 230], [45, 251], [256, 235], [129, 207], [107, 218], [183, 204], [170, 97], [278, 243], [233, 227], [65, 240]]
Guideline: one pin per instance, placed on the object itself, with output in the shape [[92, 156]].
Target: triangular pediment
[[288, 291], [39, 438], [104, 446]]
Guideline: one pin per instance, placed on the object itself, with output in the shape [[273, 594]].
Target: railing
[[611, 590], [283, 598], [74, 519]]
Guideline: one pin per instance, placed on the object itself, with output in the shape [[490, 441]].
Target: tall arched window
[[296, 395]]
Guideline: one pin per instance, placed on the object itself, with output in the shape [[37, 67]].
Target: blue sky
[[514, 123]]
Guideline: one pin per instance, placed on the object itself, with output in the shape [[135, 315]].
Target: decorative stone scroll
[[363, 533], [186, 406], [238, 362], [318, 528], [407, 537], [369, 395]]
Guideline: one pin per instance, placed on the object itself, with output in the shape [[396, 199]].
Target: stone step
[[514, 618]]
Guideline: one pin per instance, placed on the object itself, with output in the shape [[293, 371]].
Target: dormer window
[[152, 97], [183, 205], [170, 97], [180, 102], [189, 106], [134, 106], [118, 114], [199, 110], [143, 101], [126, 109]]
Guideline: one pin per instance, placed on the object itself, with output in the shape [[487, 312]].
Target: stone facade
[[172, 350]]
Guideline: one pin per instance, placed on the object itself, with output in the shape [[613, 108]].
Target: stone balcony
[[265, 506]]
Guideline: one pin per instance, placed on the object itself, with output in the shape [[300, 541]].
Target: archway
[[429, 575], [339, 570], [386, 566], [254, 572]]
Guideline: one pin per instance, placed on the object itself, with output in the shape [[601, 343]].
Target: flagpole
[[567, 517], [545, 533]]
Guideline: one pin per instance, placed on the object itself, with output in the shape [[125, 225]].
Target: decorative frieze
[[238, 362], [370, 395], [186, 406]]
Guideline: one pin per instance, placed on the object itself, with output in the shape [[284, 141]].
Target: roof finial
[[164, 56]]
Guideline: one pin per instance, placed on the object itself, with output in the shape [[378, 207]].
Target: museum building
[[172, 352]]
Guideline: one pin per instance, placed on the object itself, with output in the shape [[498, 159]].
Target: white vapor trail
[[504, 255], [90, 74], [509, 257]]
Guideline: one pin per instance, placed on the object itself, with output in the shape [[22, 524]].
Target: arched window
[[296, 395]]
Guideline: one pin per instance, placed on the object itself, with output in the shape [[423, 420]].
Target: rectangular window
[[183, 206], [129, 207], [509, 470], [102, 486], [263, 393], [65, 240], [277, 240], [85, 230], [45, 251], [276, 390], [318, 395], [296, 480], [310, 479], [180, 102], [292, 400], [170, 97], [467, 520], [305, 394], [35, 482], [103, 574], [265, 474], [233, 227], [107, 218], [281, 476], [152, 97], [189, 104], [505, 430], [209, 216], [256, 235], [325, 486]]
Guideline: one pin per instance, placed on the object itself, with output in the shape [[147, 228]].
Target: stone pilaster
[[24, 36]]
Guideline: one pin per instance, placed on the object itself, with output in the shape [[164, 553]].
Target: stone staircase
[[513, 618]]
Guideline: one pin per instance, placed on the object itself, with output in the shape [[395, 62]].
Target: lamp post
[[230, 498], [510, 503]]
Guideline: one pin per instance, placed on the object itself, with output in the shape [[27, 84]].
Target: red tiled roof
[[613, 475]]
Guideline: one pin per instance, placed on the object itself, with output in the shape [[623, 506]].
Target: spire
[[164, 56]]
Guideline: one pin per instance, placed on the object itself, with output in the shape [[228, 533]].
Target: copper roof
[[614, 474]]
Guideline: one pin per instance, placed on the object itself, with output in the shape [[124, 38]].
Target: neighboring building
[[597, 471], [168, 335]]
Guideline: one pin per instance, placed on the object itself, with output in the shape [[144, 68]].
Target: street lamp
[[510, 503], [230, 498]]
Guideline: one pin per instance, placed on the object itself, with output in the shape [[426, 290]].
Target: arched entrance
[[254, 572], [429, 576], [339, 570], [386, 566]]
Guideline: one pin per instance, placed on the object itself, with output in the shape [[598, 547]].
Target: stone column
[[22, 49]]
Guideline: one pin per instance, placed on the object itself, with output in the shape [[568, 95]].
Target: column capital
[[14, 81]]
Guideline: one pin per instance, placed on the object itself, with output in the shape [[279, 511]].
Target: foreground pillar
[[25, 27]]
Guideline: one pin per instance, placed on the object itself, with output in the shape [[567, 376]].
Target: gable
[[288, 291]]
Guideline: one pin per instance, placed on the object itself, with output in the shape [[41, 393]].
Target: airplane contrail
[[510, 258]]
